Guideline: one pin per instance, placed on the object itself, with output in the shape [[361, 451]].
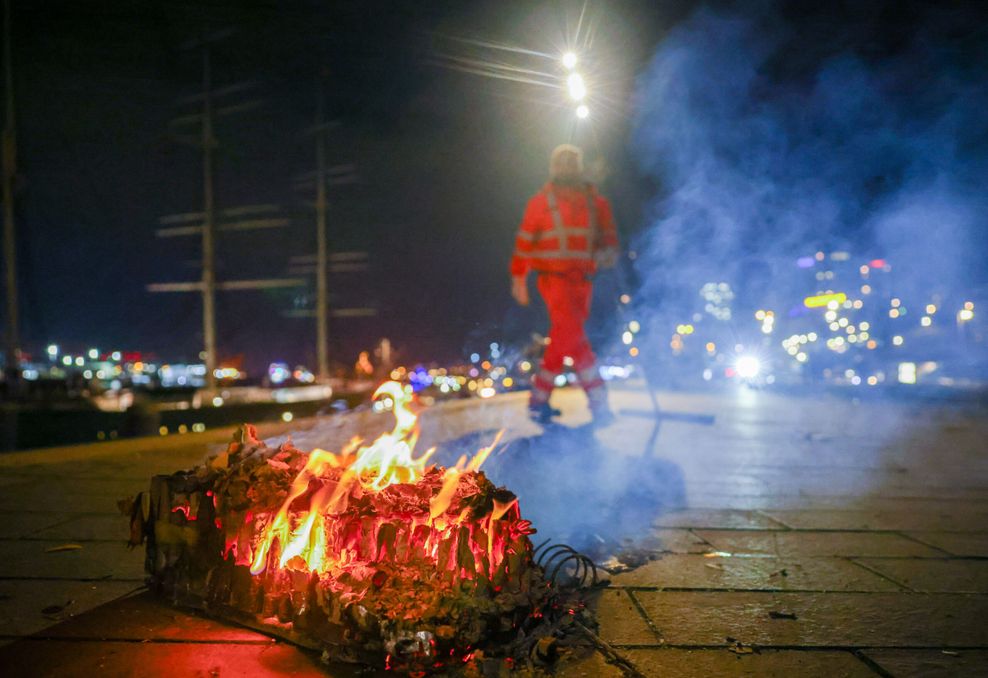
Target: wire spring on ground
[[562, 559]]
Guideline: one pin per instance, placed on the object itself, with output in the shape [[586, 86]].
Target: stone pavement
[[793, 537]]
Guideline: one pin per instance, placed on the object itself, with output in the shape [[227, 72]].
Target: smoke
[[774, 137]]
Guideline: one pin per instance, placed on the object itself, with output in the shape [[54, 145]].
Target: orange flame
[[388, 461]]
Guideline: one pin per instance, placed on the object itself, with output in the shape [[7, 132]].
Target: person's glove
[[606, 258], [519, 290]]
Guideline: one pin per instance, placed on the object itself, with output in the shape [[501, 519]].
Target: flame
[[389, 459], [333, 480]]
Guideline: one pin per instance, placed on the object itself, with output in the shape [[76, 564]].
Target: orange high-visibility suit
[[565, 231]]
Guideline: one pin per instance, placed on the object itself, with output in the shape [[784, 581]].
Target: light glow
[[577, 88]]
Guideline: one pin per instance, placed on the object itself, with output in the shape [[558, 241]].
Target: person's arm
[[607, 246], [521, 261]]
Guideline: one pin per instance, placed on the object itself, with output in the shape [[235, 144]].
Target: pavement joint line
[[761, 512], [800, 648], [797, 556], [919, 541], [107, 578], [872, 664], [75, 514], [142, 641], [31, 537], [631, 589], [804, 530], [644, 615], [881, 574]]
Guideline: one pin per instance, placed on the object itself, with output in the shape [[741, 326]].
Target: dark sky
[[445, 159]]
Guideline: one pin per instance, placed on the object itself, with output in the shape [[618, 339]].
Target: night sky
[[445, 160]]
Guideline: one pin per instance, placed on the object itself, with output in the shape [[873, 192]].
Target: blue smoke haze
[[763, 156]]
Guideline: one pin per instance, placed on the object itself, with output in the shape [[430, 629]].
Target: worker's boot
[[543, 413], [596, 391], [538, 402]]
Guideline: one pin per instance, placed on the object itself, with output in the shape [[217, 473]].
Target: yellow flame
[[389, 460]]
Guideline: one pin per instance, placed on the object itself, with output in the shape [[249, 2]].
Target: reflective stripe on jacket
[[559, 234]]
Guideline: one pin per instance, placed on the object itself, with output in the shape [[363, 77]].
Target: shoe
[[543, 413]]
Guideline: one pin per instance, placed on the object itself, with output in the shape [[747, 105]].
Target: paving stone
[[716, 519], [95, 560], [87, 528], [678, 663], [934, 575], [52, 659], [143, 617], [954, 519], [822, 619], [593, 666], [677, 541], [931, 663], [807, 543], [957, 544], [620, 620], [14, 525], [39, 498], [697, 571], [22, 602]]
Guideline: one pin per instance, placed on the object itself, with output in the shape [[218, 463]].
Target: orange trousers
[[567, 296]]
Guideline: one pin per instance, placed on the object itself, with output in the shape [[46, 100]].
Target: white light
[[80, 361], [217, 402], [52, 350], [748, 366], [116, 355], [93, 354], [925, 321], [897, 340], [634, 326], [569, 60], [801, 357], [582, 111], [287, 416], [627, 338], [964, 315], [577, 88], [907, 373], [66, 360], [486, 392]]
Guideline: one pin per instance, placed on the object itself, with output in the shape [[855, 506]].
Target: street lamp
[[577, 88]]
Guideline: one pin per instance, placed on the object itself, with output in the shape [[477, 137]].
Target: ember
[[369, 554]]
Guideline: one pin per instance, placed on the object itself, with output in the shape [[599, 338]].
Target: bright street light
[[569, 60], [582, 111], [577, 88], [748, 366]]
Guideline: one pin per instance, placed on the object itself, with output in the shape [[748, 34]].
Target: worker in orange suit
[[566, 233]]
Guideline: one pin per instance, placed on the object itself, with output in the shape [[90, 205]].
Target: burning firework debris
[[368, 555]]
